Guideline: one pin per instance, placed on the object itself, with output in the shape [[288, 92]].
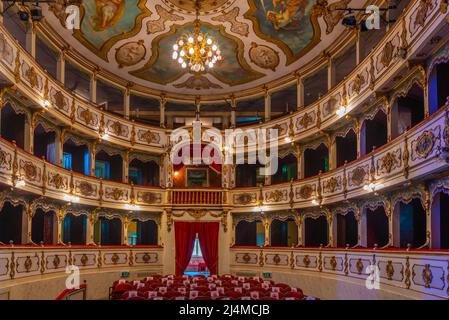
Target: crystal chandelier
[[196, 50]]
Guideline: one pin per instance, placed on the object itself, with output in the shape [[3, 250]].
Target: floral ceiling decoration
[[260, 40]]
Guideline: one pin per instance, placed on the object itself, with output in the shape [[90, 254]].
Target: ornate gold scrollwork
[[115, 258], [28, 264], [305, 121], [359, 266], [84, 259], [407, 273], [306, 261], [333, 263], [389, 270], [427, 276]]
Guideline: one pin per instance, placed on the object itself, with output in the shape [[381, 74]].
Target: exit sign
[[125, 274], [267, 275]]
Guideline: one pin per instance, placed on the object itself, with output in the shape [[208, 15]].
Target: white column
[[233, 112], [125, 166], [90, 227], [358, 53], [93, 87], [163, 102], [396, 226], [267, 105], [60, 67], [330, 75], [31, 40], [300, 93], [126, 102]]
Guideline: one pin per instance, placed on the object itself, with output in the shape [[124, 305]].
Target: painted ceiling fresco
[[260, 40]]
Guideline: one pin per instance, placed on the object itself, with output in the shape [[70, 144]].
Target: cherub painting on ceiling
[[108, 13], [286, 14]]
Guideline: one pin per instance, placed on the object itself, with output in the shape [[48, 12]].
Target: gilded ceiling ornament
[[198, 82], [130, 53], [238, 27], [331, 13], [421, 15], [158, 25], [264, 56]]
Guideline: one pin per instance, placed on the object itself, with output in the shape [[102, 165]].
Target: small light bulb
[[175, 55], [184, 65], [175, 47], [181, 43], [211, 65], [190, 40], [200, 38], [209, 41], [214, 48], [182, 53], [181, 60], [191, 51]]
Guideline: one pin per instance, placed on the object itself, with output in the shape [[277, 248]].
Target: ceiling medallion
[[196, 50]]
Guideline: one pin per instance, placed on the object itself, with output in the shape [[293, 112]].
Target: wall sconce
[[45, 104], [341, 111], [20, 183], [70, 198], [373, 187], [260, 209], [132, 207]]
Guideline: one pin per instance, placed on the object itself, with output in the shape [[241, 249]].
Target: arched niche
[[44, 145], [13, 124], [143, 172], [346, 147], [76, 156], [440, 219], [287, 169], [316, 231], [11, 223], [410, 224], [316, 160], [108, 231], [283, 233], [374, 132], [44, 227], [347, 229], [438, 84], [377, 227], [142, 232], [108, 166], [74, 229], [407, 110], [250, 233]]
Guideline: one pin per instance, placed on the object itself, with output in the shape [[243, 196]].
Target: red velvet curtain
[[185, 233], [208, 236]]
